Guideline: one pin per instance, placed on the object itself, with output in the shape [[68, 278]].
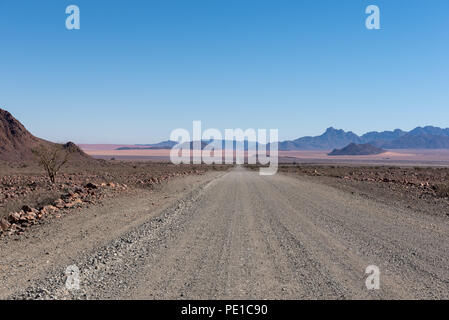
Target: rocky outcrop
[[357, 150], [17, 143]]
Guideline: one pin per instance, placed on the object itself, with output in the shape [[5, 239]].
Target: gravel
[[239, 235]]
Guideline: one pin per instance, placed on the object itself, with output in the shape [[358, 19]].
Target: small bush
[[51, 158], [442, 190]]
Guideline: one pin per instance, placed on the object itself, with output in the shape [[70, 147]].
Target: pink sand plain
[[404, 155]]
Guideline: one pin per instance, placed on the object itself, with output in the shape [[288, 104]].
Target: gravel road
[[238, 235]]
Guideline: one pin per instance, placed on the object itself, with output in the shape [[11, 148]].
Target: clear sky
[[138, 69]]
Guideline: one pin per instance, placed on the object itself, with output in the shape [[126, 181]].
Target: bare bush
[[51, 158], [442, 190]]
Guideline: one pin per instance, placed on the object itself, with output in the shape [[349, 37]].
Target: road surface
[[244, 236]]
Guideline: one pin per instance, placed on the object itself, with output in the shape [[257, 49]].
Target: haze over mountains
[[220, 144], [16, 142], [428, 137]]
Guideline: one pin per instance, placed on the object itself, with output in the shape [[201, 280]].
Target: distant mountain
[[161, 145], [416, 141], [353, 149], [382, 136], [428, 137], [330, 139], [17, 143], [220, 144], [429, 130]]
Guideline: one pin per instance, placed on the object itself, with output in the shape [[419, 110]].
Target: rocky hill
[[357, 150], [17, 143]]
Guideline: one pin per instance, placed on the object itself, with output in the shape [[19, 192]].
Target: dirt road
[[239, 235]]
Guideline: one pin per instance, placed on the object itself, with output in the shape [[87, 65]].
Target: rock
[[27, 208], [48, 209], [4, 224], [79, 190], [90, 185], [30, 216], [111, 184], [14, 217], [66, 197], [73, 203], [59, 203]]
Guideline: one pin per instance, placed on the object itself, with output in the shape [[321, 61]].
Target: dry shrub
[[51, 158], [442, 190]]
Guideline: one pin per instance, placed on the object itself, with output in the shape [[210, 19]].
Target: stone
[[14, 217], [49, 208], [27, 208], [90, 185], [74, 203], [4, 224], [30, 216], [59, 203]]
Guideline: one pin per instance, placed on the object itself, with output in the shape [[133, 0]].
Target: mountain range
[[428, 137], [16, 142], [188, 145]]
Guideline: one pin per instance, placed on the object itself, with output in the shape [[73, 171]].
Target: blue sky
[[138, 69]]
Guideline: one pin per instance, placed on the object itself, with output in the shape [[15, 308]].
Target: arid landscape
[[305, 233], [28, 196], [223, 159], [418, 157], [144, 228]]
